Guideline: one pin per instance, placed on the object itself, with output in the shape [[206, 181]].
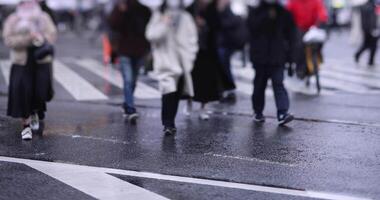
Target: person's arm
[[157, 27], [291, 37], [322, 13], [14, 39], [50, 33], [188, 39]]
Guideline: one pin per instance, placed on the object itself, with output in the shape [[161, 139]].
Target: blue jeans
[[276, 74], [129, 68]]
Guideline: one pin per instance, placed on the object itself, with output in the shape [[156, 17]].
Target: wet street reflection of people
[[174, 39], [30, 33], [272, 32]]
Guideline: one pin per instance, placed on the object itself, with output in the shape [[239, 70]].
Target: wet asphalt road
[[332, 147]]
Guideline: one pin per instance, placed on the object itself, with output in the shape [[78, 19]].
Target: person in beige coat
[[29, 33], [174, 40]]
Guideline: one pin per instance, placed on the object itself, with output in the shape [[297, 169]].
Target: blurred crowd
[[188, 44]]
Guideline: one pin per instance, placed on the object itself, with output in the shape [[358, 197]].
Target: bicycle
[[314, 40], [313, 61]]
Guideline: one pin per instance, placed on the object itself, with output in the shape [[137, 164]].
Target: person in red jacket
[[306, 13]]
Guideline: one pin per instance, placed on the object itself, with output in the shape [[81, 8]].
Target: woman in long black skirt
[[208, 69], [26, 32]]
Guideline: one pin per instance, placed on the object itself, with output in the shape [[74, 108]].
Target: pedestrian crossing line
[[367, 73], [351, 78], [5, 67], [83, 178], [344, 85], [77, 86], [113, 76]]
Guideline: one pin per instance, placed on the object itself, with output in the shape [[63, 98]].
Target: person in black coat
[[370, 31], [208, 70], [272, 34]]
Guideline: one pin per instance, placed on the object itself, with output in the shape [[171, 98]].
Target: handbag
[[43, 51]]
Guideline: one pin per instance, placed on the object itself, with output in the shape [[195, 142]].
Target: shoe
[[260, 118], [35, 122], [204, 116], [284, 119], [132, 118], [187, 109], [170, 131], [27, 134], [229, 98]]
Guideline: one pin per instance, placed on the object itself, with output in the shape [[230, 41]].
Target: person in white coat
[[173, 36]]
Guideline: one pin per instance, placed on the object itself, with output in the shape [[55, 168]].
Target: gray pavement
[[331, 149]]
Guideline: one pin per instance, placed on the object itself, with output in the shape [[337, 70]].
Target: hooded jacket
[[271, 38]]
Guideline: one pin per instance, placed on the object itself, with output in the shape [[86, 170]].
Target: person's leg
[[260, 84], [280, 93], [373, 49], [362, 48], [126, 69], [136, 64], [170, 103]]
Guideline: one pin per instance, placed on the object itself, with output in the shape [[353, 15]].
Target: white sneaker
[[27, 134], [204, 116], [35, 122], [188, 109]]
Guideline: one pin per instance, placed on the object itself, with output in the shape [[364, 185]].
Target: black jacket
[[271, 38], [128, 29], [369, 18]]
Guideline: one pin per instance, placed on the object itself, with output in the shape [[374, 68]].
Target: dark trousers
[[370, 43], [170, 103], [263, 74]]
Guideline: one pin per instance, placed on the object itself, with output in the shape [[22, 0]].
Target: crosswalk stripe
[[143, 91], [368, 73], [5, 66], [77, 86], [343, 85], [351, 78]]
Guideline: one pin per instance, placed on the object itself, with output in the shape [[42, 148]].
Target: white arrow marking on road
[[90, 181], [5, 67], [77, 86], [143, 91]]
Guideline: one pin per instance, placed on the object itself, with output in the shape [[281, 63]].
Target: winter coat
[[19, 38], [308, 13], [368, 17], [128, 29], [271, 39], [174, 50]]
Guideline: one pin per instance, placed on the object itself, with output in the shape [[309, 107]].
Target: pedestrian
[[271, 38], [128, 22], [30, 33], [208, 69], [306, 14], [173, 36], [370, 31], [231, 37]]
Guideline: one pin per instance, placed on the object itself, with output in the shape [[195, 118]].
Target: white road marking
[[95, 182], [367, 81], [143, 91], [249, 159], [5, 67], [77, 86]]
